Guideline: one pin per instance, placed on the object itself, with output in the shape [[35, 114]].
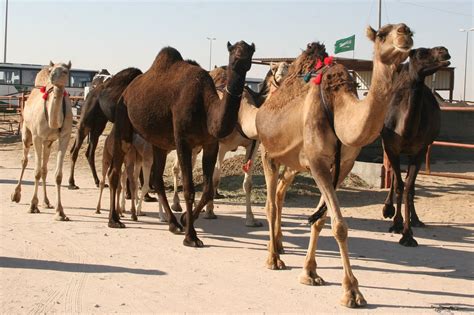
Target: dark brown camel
[[174, 105], [98, 109], [411, 125]]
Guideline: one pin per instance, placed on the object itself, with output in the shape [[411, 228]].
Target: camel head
[[425, 61], [279, 71], [240, 56], [59, 73], [392, 43]]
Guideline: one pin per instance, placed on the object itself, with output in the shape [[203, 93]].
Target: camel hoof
[[73, 187], [47, 205], [218, 195], [388, 211], [352, 300], [407, 240], [417, 223], [116, 224], [396, 228], [134, 217], [16, 196], [192, 242], [33, 209], [61, 217], [275, 263], [148, 198], [306, 279], [253, 223], [176, 207], [209, 216], [175, 228]]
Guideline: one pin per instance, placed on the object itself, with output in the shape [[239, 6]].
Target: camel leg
[[271, 179], [209, 157], [284, 183], [121, 194], [320, 169], [216, 177], [82, 131], [123, 137], [309, 275], [58, 174], [388, 208], [247, 186], [94, 139], [176, 173], [415, 221], [129, 170], [408, 196], [38, 144], [397, 226], [184, 152], [106, 161], [159, 161], [44, 172], [27, 142]]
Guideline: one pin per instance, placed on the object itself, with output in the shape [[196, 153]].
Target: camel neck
[[54, 105], [412, 114], [359, 122], [223, 113]]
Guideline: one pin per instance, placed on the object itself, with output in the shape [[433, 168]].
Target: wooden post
[[427, 160]]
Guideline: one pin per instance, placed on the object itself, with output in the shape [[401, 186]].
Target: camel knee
[[318, 225], [59, 178], [248, 184], [38, 173], [24, 162], [44, 171], [340, 230]]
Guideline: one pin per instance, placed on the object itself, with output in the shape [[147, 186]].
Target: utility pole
[[210, 51], [380, 14], [6, 25], [465, 60]]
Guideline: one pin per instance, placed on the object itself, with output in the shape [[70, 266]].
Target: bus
[[17, 78]]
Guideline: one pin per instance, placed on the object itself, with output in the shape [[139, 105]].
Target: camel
[[98, 109], [411, 125], [139, 157], [241, 136], [47, 117], [320, 128], [174, 105]]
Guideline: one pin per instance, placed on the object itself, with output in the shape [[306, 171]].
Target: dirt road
[[83, 266]]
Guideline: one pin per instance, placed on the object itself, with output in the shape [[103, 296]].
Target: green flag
[[344, 44]]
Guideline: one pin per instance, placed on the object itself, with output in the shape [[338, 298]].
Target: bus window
[[28, 77], [9, 76], [79, 79]]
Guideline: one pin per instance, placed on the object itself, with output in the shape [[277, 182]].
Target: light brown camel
[[240, 137], [47, 117], [301, 126], [174, 105], [138, 158]]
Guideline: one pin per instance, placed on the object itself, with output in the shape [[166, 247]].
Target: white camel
[[47, 117]]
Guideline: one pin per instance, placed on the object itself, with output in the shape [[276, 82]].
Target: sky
[[120, 34]]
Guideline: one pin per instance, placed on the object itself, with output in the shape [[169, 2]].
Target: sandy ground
[[83, 266]]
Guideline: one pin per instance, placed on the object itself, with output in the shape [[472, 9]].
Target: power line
[[437, 9]]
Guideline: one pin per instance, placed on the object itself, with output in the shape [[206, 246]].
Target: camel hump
[[166, 57], [338, 76]]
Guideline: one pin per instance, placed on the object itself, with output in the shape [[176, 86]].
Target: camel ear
[[51, 64], [69, 65], [229, 46], [273, 67], [253, 47], [371, 33]]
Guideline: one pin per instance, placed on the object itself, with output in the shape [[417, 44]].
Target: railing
[[387, 172], [16, 103]]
